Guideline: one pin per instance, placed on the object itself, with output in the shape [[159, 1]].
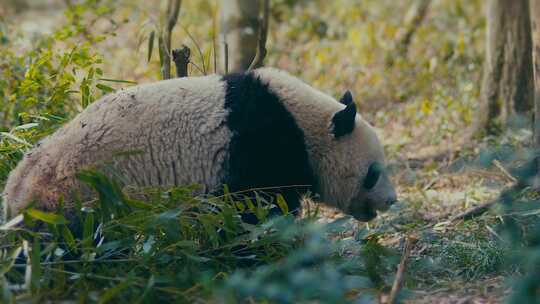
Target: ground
[[421, 104]]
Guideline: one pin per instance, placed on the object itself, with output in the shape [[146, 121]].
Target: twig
[[226, 52], [181, 60], [504, 171], [199, 50], [263, 35], [414, 19], [398, 281], [214, 46], [173, 9], [474, 212], [419, 162], [197, 67]]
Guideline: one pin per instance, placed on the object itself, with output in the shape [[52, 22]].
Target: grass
[[467, 251], [176, 247]]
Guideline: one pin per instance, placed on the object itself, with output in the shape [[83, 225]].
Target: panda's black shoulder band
[[267, 148]]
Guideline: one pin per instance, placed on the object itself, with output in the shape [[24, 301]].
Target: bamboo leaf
[[88, 229], [7, 296], [12, 223], [68, 237], [35, 263], [112, 292], [151, 44], [280, 200], [49, 218], [117, 80], [138, 204], [26, 126], [11, 260], [15, 138], [148, 288], [105, 89]]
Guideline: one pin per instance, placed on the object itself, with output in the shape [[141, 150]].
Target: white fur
[[177, 134], [179, 122], [340, 164]]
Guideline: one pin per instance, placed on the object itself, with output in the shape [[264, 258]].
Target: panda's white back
[[167, 133]]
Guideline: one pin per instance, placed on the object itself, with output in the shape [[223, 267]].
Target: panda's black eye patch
[[374, 173]]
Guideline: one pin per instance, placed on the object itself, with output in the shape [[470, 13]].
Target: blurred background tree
[[413, 19], [240, 25], [507, 86], [535, 26], [165, 44]]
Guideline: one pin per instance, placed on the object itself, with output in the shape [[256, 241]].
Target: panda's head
[[344, 152], [351, 165]]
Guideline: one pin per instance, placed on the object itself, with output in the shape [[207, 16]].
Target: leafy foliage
[[43, 87], [173, 246], [520, 210]]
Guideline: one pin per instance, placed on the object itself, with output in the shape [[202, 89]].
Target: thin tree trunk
[[173, 9], [239, 28], [535, 27], [413, 19], [263, 35], [507, 86]]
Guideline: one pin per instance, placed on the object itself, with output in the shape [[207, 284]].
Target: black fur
[[267, 148], [343, 121], [372, 177], [347, 98]]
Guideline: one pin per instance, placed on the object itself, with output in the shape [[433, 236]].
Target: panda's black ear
[[347, 98], [343, 121]]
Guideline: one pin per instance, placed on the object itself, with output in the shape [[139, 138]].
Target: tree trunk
[[239, 30], [507, 87], [413, 19], [173, 9], [535, 26], [262, 36]]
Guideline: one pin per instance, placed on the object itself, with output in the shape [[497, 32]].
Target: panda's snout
[[392, 200], [382, 203]]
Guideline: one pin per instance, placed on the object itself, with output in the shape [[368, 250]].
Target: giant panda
[[258, 129]]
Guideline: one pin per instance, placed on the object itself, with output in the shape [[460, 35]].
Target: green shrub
[[173, 246], [41, 88]]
